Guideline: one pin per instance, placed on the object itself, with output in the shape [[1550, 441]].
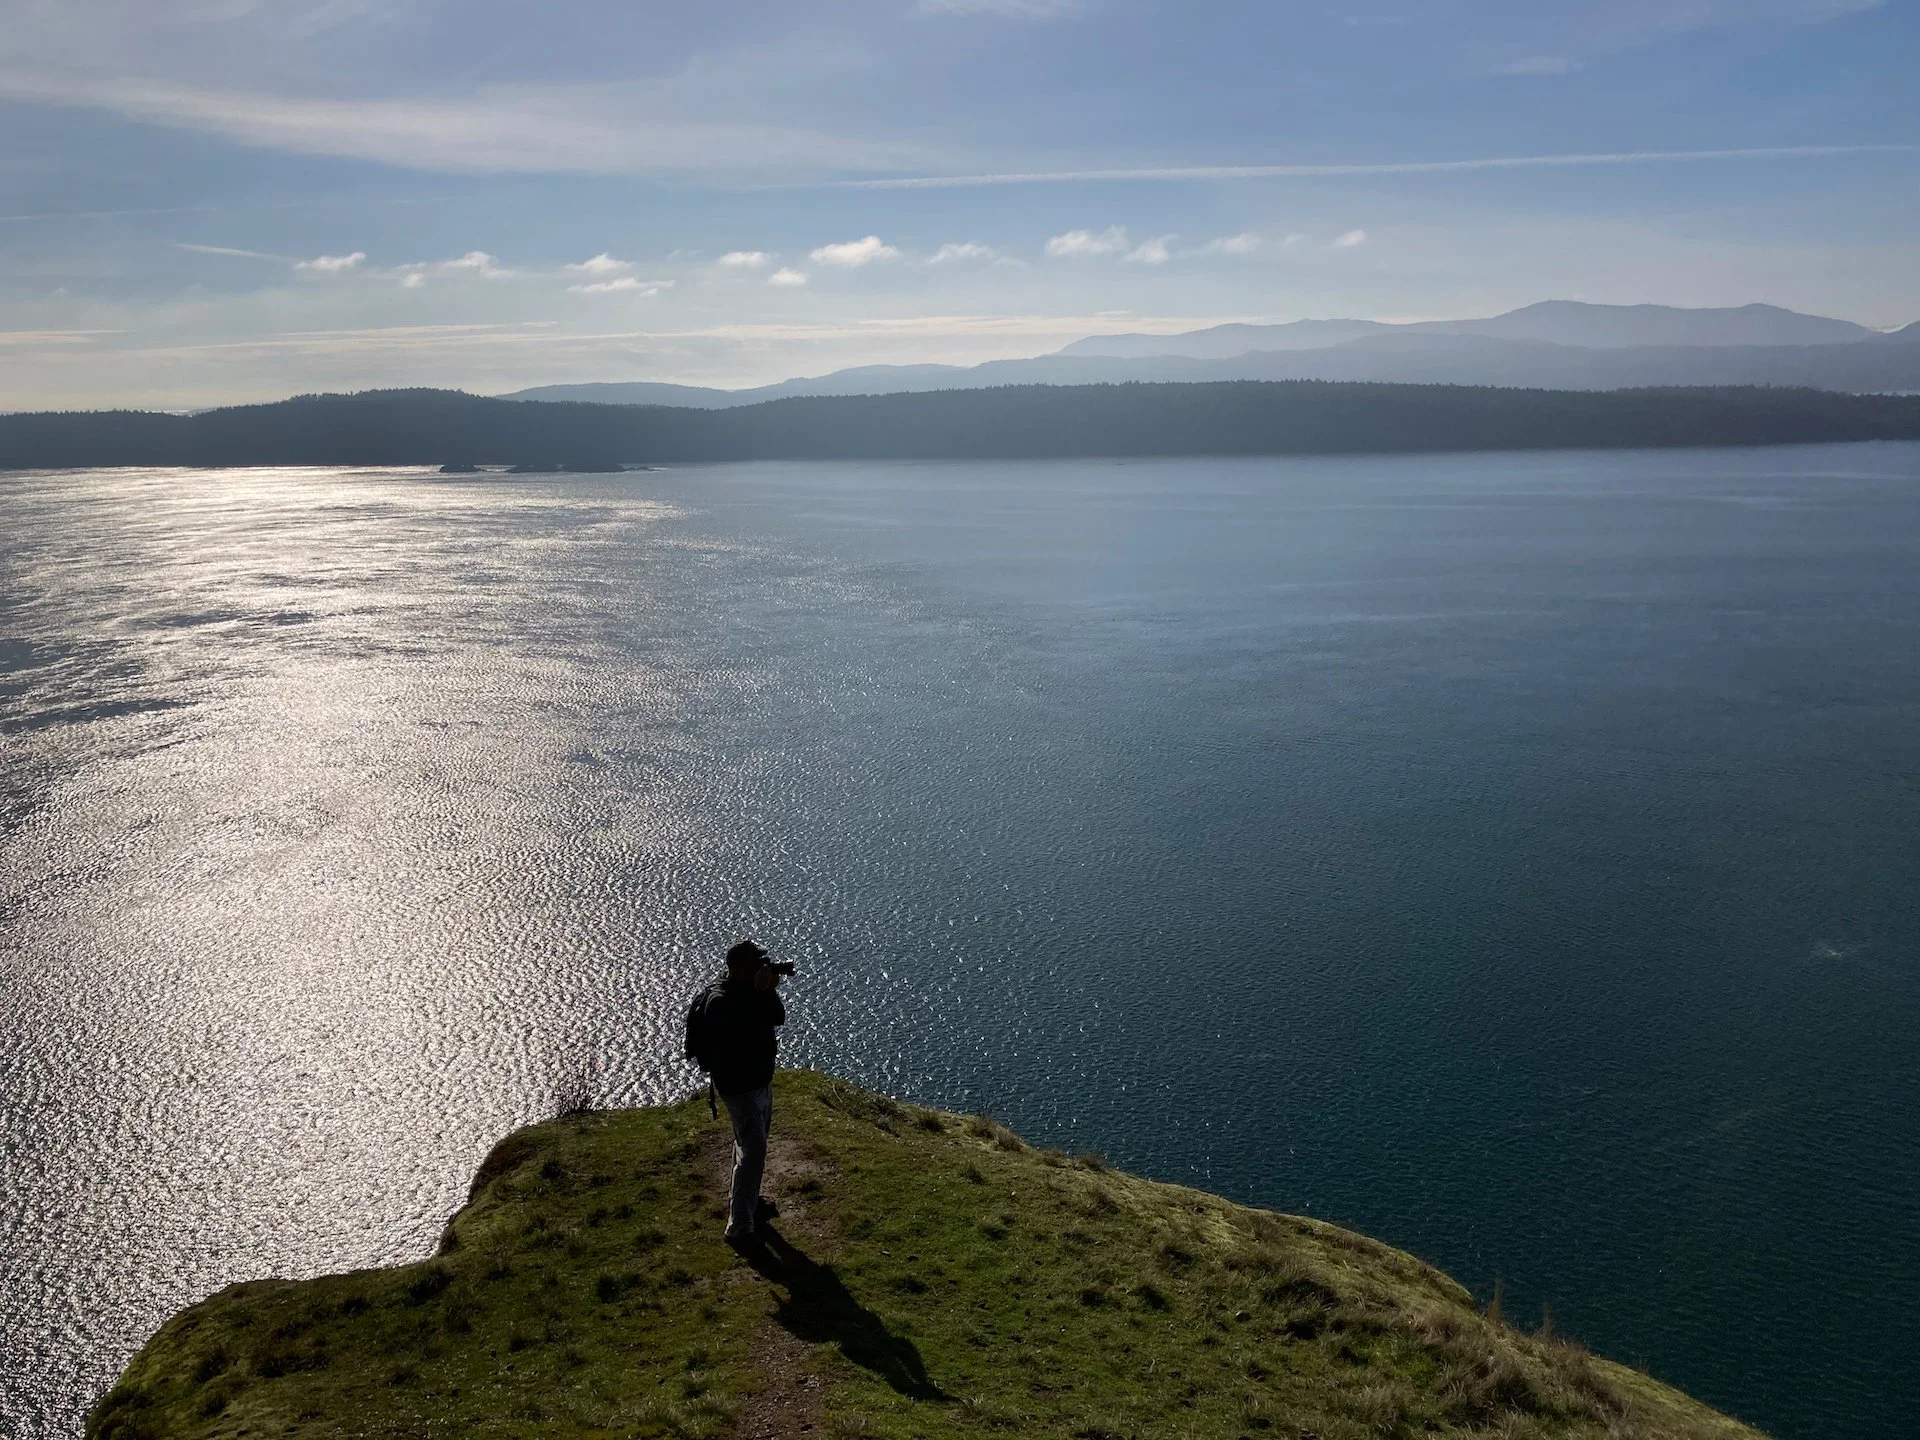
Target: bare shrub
[[573, 1095]]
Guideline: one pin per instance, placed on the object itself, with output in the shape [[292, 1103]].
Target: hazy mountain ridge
[[1882, 364], [1557, 322], [1562, 344], [1222, 342]]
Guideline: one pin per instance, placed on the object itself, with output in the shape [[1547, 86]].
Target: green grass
[[936, 1278]]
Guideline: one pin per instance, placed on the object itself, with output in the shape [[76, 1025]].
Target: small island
[[570, 467], [934, 1276]]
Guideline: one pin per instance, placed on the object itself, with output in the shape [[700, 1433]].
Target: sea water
[[1514, 857]]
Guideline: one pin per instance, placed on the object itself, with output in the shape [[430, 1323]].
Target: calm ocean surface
[[1516, 858]]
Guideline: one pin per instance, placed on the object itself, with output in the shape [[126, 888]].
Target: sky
[[211, 201]]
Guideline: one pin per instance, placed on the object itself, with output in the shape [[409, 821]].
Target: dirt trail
[[789, 1403]]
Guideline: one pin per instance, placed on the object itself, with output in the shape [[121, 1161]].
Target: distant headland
[[1300, 417]]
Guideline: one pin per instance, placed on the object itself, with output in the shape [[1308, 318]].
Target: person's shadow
[[820, 1309]]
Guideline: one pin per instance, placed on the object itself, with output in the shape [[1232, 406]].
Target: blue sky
[[213, 200]]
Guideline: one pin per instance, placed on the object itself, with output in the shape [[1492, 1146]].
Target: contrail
[[109, 214], [229, 250], [200, 210], [1394, 167]]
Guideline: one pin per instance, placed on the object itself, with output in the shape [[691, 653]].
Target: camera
[[781, 967]]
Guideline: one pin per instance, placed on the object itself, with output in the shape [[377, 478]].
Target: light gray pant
[[752, 1114]]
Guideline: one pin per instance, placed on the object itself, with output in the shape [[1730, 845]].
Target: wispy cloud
[[1393, 167], [480, 263], [1351, 240], [1242, 244], [53, 337], [558, 129], [852, 254], [364, 339], [332, 264], [787, 278], [607, 276], [954, 252], [623, 285], [601, 264], [1075, 244], [1082, 244], [136, 212], [745, 259], [235, 253], [414, 274]]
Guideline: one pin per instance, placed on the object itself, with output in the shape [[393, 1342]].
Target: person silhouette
[[740, 1016]]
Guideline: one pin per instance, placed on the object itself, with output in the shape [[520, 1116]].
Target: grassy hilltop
[[936, 1277]]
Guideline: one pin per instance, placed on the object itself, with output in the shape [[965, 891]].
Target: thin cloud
[[548, 331], [852, 254], [332, 264], [230, 251], [787, 278], [53, 337], [1395, 167], [1352, 240], [1150, 252], [622, 284], [601, 264], [1243, 244], [955, 252], [479, 262], [1075, 244], [504, 129], [475, 262], [115, 214], [745, 259]]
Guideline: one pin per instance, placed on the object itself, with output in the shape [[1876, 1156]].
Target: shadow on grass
[[821, 1310]]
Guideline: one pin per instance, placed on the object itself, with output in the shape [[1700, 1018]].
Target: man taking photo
[[730, 1036]]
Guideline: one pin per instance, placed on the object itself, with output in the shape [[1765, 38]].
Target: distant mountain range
[[1558, 344], [1552, 322]]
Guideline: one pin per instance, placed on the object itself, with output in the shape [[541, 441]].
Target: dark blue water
[[1516, 858]]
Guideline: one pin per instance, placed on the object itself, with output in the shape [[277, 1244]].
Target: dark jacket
[[740, 1023]]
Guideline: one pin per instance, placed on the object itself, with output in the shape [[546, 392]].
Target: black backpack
[[699, 1047]]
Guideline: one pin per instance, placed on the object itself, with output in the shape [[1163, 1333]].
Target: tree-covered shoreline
[[421, 427]]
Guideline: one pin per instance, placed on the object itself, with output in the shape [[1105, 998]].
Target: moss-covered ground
[[931, 1276]]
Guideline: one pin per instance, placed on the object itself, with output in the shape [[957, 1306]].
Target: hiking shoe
[[764, 1210], [742, 1240]]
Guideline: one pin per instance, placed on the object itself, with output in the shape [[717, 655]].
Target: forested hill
[[411, 427]]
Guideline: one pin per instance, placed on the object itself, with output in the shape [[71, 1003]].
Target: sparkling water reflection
[[1512, 857]]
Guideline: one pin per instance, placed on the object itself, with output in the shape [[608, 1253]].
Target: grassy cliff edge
[[933, 1276]]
